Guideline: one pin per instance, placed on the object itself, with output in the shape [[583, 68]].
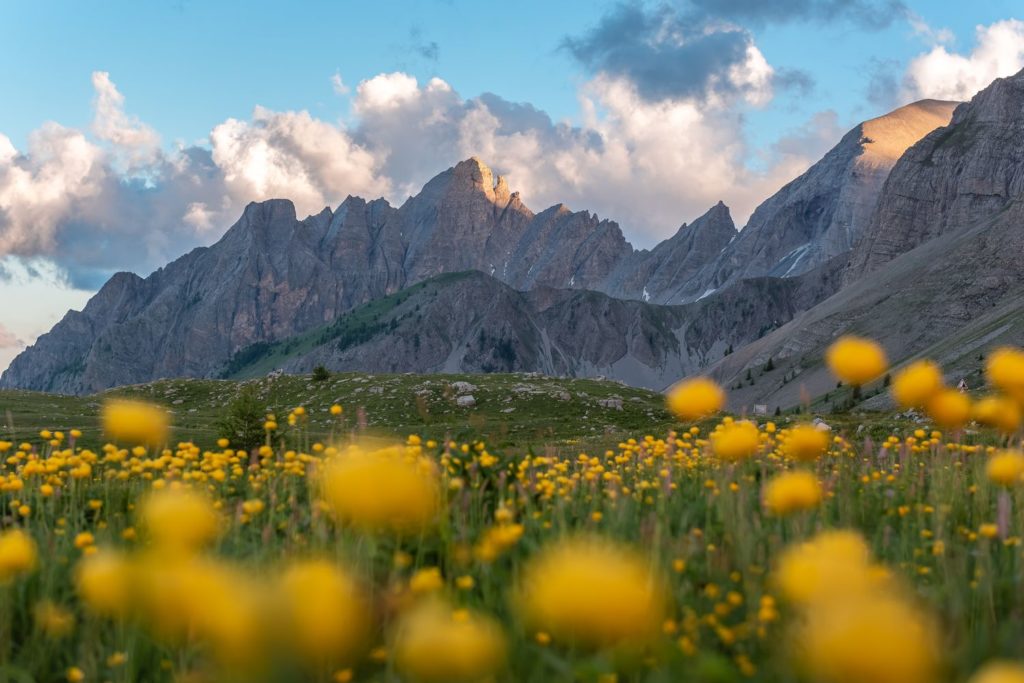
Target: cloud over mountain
[[945, 75]]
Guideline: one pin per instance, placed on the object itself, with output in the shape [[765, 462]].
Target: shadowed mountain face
[[938, 270], [471, 322], [273, 276]]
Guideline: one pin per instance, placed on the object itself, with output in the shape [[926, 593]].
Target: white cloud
[[338, 85], [294, 156], [37, 189], [648, 164], [941, 74], [136, 141], [386, 91]]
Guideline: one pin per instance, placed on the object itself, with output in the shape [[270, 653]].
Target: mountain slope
[[940, 260], [825, 211], [957, 175], [471, 322]]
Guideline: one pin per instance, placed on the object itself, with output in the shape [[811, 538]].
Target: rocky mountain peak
[[958, 175]]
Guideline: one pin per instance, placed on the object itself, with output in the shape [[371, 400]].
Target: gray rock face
[[825, 211], [962, 174], [938, 272], [471, 322]]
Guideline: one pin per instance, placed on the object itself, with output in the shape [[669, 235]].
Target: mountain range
[[907, 230]]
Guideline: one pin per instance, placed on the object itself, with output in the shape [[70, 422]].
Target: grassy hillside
[[511, 410]]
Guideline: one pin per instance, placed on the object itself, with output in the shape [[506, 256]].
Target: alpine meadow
[[313, 395]]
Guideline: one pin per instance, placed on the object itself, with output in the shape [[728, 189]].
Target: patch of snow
[[708, 292], [646, 296], [572, 280], [797, 255]]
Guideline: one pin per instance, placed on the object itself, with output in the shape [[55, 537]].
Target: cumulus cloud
[[648, 164], [666, 55], [139, 143], [942, 74], [37, 189], [112, 202], [295, 156]]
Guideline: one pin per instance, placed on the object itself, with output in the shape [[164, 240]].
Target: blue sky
[[189, 64], [131, 132]]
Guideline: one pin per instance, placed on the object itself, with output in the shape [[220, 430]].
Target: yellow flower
[[17, 555], [832, 564], [102, 581], [135, 422], [1005, 468], [805, 442], [988, 530], [589, 592], [950, 408], [736, 440], [433, 642], [326, 618], [855, 360], [53, 620], [426, 580], [336, 409], [383, 490], [75, 675], [915, 384], [84, 540], [253, 506], [999, 412], [999, 671], [870, 638], [696, 398], [1005, 370], [792, 492], [179, 519]]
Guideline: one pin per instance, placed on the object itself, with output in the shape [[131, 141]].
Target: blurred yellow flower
[[805, 442], [179, 519], [736, 440], [383, 490], [880, 639], [696, 398], [999, 412], [326, 619], [135, 422], [52, 619], [855, 360], [950, 408], [102, 581], [17, 555], [592, 593], [792, 492], [915, 384], [1005, 370], [831, 564], [1005, 468], [435, 642], [999, 671]]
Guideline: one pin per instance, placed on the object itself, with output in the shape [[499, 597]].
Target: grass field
[[542, 534]]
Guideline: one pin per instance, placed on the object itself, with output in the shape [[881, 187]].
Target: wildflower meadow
[[726, 549]]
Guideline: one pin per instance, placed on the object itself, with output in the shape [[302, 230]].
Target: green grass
[[512, 410]]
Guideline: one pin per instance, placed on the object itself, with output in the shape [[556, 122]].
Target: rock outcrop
[[961, 174], [938, 270], [471, 322]]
